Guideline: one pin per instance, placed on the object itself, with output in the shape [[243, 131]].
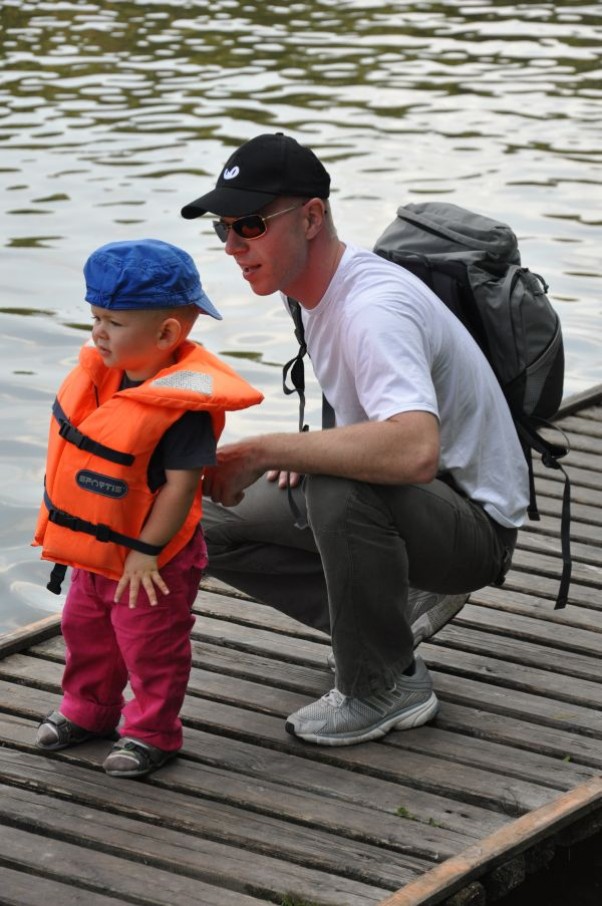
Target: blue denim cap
[[144, 274]]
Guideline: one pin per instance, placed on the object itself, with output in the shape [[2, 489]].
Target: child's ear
[[170, 333]]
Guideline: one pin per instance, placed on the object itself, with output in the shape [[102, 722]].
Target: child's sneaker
[[58, 732], [134, 758]]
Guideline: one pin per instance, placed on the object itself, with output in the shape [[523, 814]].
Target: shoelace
[[334, 698]]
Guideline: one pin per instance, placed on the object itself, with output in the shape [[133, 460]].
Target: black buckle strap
[[74, 436], [100, 531], [57, 577]]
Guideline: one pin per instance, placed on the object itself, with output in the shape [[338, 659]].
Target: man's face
[[276, 259]]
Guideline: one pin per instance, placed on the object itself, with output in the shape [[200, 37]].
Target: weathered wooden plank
[[513, 652], [496, 727], [428, 743], [499, 759], [520, 721], [543, 586], [424, 771], [263, 641], [322, 831], [582, 460], [30, 634], [510, 675], [545, 565], [382, 798], [551, 546], [248, 612], [528, 627], [505, 673], [238, 865], [548, 487], [581, 442], [579, 478], [91, 869], [515, 838], [583, 532], [24, 888], [212, 684], [533, 708], [520, 733], [580, 512], [580, 424], [506, 600]]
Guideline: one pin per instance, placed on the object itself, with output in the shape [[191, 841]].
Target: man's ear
[[170, 332], [315, 216]]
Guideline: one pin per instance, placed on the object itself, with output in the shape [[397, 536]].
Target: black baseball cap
[[259, 171]]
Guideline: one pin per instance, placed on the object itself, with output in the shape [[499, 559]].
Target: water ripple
[[114, 114]]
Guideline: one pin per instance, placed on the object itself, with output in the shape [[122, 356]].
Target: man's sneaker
[[134, 758], [339, 720], [58, 732], [428, 612]]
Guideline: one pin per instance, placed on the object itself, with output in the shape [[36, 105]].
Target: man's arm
[[402, 450]]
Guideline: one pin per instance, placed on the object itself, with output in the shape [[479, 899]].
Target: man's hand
[[140, 570], [226, 482], [283, 478]]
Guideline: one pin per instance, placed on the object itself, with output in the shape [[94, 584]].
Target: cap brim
[[227, 202], [208, 308]]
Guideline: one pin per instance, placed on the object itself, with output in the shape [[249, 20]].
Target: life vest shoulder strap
[[73, 435]]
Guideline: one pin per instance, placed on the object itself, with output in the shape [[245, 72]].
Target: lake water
[[114, 114]]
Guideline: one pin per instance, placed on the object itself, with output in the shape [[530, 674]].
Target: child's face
[[129, 340]]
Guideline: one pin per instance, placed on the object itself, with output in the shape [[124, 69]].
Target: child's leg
[[95, 673], [155, 644]]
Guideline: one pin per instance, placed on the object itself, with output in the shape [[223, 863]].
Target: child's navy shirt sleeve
[[188, 444]]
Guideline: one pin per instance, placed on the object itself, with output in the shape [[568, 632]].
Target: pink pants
[[109, 644]]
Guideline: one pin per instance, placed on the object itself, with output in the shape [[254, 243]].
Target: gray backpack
[[473, 264]]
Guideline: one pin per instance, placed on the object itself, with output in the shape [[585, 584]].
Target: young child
[[133, 426]]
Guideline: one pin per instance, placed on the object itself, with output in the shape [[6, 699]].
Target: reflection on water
[[114, 114]]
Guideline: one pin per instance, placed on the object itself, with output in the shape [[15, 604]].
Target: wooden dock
[[455, 812]]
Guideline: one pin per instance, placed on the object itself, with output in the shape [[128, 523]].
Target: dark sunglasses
[[250, 227]]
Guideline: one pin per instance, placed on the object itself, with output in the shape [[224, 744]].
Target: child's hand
[[140, 570]]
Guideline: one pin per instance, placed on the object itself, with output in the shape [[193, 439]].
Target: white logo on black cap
[[231, 174]]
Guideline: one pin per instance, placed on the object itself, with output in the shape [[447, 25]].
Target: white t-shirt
[[382, 343]]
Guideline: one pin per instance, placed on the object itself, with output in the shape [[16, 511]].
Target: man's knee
[[215, 524]]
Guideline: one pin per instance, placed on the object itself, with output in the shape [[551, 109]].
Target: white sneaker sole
[[409, 718]]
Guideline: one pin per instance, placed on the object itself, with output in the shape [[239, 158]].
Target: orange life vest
[[96, 496]]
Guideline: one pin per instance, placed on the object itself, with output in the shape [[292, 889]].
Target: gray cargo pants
[[348, 574]]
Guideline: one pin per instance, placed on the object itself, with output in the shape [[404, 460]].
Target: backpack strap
[[295, 368], [550, 454]]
